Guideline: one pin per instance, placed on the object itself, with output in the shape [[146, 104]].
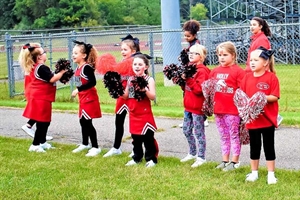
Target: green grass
[[60, 174]]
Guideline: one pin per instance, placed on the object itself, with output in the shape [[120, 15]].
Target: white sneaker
[[28, 130], [93, 152], [131, 162], [36, 148], [46, 145], [81, 147], [131, 154], [272, 180], [199, 161], [231, 166], [188, 157], [180, 125], [48, 137], [251, 177], [113, 151], [206, 124], [150, 164]]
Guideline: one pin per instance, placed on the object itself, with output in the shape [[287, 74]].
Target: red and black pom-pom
[[139, 84], [184, 57], [112, 81], [64, 64]]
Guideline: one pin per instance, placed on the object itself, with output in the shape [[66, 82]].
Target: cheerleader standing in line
[[41, 91], [228, 76], [141, 121], [89, 106], [262, 79]]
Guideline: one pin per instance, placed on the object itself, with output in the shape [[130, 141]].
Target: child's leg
[[198, 121], [40, 133], [84, 131], [137, 143], [31, 122], [119, 125], [255, 148], [188, 132], [233, 123], [269, 147], [224, 136], [151, 148]]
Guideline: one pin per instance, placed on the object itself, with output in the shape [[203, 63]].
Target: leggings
[[88, 131], [31, 122], [268, 135], [151, 147], [40, 133], [119, 124]]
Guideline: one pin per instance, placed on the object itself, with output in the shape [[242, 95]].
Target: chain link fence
[[164, 47]]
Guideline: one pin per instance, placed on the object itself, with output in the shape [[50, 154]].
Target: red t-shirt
[[267, 83], [229, 79]]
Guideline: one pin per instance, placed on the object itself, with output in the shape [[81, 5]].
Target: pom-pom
[[112, 81], [139, 84], [173, 72], [64, 64], [190, 70], [209, 90], [244, 134], [249, 108], [184, 57], [124, 67], [105, 63]]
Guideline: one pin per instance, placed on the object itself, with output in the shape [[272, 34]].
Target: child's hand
[[74, 93], [183, 76]]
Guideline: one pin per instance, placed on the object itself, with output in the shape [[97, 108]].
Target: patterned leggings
[[228, 127], [195, 121]]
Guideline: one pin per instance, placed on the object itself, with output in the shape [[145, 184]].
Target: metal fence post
[[50, 50], [9, 57], [70, 49]]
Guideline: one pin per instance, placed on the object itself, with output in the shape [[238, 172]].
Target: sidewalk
[[65, 128]]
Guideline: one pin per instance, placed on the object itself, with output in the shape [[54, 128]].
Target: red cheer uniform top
[[257, 40], [121, 103], [268, 83], [193, 96], [27, 81], [85, 81], [140, 113], [228, 80]]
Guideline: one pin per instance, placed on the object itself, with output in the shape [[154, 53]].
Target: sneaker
[[48, 137], [199, 161], [251, 177], [28, 130], [131, 154], [113, 151], [222, 165], [36, 148], [231, 166], [131, 162], [279, 120], [272, 180], [206, 124], [46, 145], [180, 125], [150, 164], [81, 147], [93, 152], [188, 157]]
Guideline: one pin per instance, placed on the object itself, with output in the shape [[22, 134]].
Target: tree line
[[48, 14]]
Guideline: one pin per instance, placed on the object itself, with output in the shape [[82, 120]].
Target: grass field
[[60, 174]]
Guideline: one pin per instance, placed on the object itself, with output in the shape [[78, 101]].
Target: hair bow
[[129, 37], [27, 46], [266, 53], [87, 47]]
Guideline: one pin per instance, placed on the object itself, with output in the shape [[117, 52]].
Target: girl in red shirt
[[193, 123], [41, 91], [262, 79], [228, 76], [89, 106]]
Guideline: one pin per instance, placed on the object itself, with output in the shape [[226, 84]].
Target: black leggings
[[40, 133], [119, 124], [268, 135], [31, 122], [88, 131]]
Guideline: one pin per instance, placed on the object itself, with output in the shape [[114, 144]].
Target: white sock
[[271, 174], [255, 173]]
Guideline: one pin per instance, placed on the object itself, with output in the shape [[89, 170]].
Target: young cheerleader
[[193, 101], [262, 79], [228, 76], [141, 121], [41, 91], [89, 107], [129, 48]]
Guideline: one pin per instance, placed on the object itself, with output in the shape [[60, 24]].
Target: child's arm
[[57, 76], [271, 98], [126, 92], [150, 90]]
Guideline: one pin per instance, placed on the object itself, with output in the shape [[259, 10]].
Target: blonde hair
[[29, 55], [229, 47], [198, 48], [91, 55], [132, 45]]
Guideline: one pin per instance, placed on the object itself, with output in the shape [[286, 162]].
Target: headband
[[266, 53], [87, 47], [136, 41]]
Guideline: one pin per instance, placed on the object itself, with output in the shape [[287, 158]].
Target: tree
[[199, 11], [7, 18]]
